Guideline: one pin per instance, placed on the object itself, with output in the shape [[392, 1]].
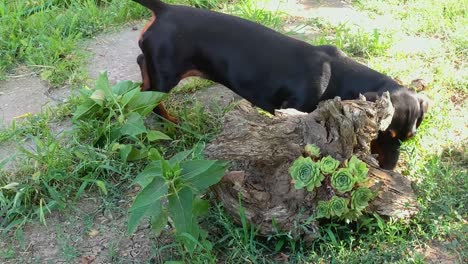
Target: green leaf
[[180, 209], [332, 237], [123, 87], [153, 192], [127, 97], [11, 186], [338, 206], [45, 75], [147, 202], [180, 157], [201, 174], [360, 198], [108, 137], [158, 221], [154, 135], [85, 110], [4, 161], [144, 102], [124, 152], [148, 174], [279, 245], [153, 154], [190, 241], [81, 189], [198, 151], [137, 154], [139, 213], [200, 207], [328, 165], [54, 194], [98, 96], [134, 125], [102, 83], [306, 173], [323, 209], [102, 186], [342, 180], [312, 150], [358, 169]]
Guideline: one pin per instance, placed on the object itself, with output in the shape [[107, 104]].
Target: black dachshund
[[267, 68]]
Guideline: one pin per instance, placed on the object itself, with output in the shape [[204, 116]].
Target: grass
[[54, 167], [355, 43], [46, 35], [251, 10]]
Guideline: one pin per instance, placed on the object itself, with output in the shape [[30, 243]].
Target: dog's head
[[410, 109]]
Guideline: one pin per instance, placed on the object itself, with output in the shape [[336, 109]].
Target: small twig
[[21, 75], [42, 66]]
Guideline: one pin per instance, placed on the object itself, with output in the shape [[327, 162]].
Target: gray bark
[[262, 148]]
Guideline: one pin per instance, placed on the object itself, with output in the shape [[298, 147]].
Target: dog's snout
[[411, 134]]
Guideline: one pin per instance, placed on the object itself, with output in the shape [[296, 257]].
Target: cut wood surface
[[262, 148]]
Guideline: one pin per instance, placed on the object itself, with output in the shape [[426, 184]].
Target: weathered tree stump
[[262, 148]]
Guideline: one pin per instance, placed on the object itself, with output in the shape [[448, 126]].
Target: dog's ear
[[423, 107], [388, 150], [371, 96]]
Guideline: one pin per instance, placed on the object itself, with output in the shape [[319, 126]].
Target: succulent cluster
[[344, 207], [306, 173], [348, 182]]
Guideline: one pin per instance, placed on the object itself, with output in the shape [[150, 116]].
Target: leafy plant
[[45, 35], [206, 4], [312, 150], [119, 112], [328, 165], [358, 169], [306, 173], [338, 206], [342, 180], [360, 198], [250, 10], [180, 181], [116, 102], [323, 209]]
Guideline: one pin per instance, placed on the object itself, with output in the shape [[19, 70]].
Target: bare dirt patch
[[435, 253], [92, 233], [116, 53], [25, 95], [89, 233]]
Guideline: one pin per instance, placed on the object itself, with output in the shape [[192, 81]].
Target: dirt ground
[[89, 233], [95, 232]]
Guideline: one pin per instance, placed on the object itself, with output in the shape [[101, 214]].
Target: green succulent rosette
[[342, 180], [328, 165], [358, 169], [323, 209], [338, 206], [306, 173], [312, 150], [360, 198]]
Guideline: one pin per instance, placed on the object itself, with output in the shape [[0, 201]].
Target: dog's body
[[268, 69]]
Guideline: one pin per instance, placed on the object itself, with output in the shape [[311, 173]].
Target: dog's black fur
[[267, 68]]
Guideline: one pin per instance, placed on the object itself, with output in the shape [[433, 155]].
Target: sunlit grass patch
[[356, 41], [253, 10], [57, 169], [45, 35], [446, 20]]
